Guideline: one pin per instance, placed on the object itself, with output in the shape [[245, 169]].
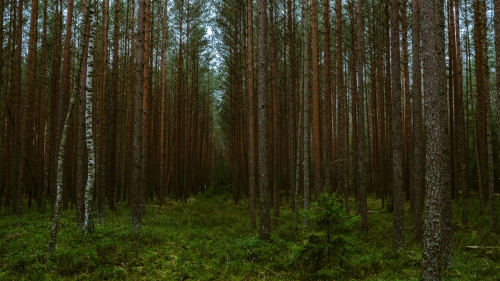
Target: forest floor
[[209, 238]]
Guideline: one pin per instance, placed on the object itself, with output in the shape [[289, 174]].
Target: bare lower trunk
[[81, 142], [397, 180], [88, 224], [491, 179], [418, 140], [265, 224], [136, 184], [307, 124], [436, 124], [497, 84], [363, 155], [251, 114], [62, 151]]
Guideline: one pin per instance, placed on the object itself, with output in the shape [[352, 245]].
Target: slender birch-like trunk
[[88, 224], [63, 148]]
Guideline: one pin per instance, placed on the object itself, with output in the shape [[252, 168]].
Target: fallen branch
[[277, 274], [480, 247]]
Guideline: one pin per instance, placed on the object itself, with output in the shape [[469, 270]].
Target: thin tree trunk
[[113, 114], [274, 129], [162, 106], [497, 87], [146, 108], [397, 160], [315, 100], [16, 117], [62, 98], [328, 92], [44, 147], [265, 223], [103, 132], [88, 224], [418, 140], [294, 129], [61, 156], [62, 151], [459, 119], [363, 155], [408, 158], [491, 178], [81, 142], [251, 114], [447, 171], [27, 100], [136, 184], [482, 90], [340, 153], [306, 100]]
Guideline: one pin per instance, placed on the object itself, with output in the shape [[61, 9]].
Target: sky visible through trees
[[108, 102]]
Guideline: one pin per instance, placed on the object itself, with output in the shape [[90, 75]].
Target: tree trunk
[[448, 169], [436, 125], [497, 70], [482, 90], [103, 124], [397, 160], [61, 155], [363, 155], [136, 184], [265, 223], [114, 113], [339, 166], [27, 100], [62, 151], [81, 142], [17, 117], [418, 140], [491, 178], [44, 147], [315, 100], [274, 136], [251, 114], [307, 104], [88, 224], [146, 108], [162, 106], [328, 93], [408, 155]]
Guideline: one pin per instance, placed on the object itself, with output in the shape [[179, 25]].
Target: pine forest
[[249, 139]]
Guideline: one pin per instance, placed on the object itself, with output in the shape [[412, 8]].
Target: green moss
[[209, 238]]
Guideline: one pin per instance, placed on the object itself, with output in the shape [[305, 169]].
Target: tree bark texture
[[434, 77], [418, 140], [136, 184], [251, 114], [362, 151], [397, 160], [265, 218]]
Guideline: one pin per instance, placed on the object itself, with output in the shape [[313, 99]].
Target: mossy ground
[[209, 238]]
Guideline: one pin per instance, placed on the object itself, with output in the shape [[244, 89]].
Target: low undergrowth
[[209, 238]]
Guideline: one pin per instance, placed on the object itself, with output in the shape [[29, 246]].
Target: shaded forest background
[[275, 102]]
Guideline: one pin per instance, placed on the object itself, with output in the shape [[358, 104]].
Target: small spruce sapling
[[328, 219]]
